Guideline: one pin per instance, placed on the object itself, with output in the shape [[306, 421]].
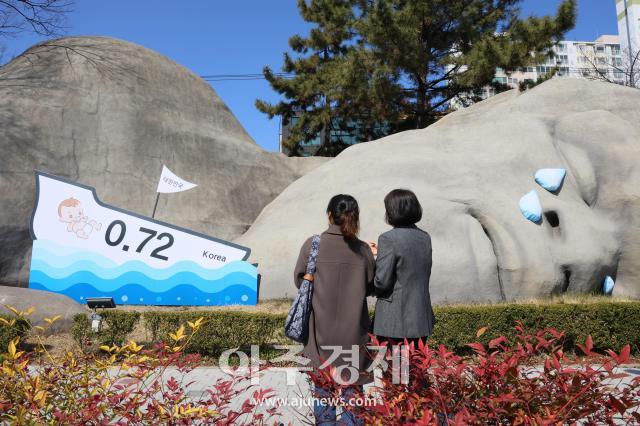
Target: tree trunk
[[421, 107], [327, 135], [325, 140]]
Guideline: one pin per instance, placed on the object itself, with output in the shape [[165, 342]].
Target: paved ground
[[291, 386]]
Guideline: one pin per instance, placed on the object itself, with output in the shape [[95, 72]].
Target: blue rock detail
[[530, 206], [607, 285], [550, 179]]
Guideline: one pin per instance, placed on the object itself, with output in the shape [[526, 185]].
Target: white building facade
[[599, 59], [606, 58], [629, 24], [574, 59]]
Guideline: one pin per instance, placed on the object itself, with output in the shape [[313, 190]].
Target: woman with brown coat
[[339, 322]]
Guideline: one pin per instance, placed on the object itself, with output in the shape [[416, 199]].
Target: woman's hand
[[308, 277], [374, 248]]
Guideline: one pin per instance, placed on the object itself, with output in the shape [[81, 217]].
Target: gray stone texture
[[46, 305], [469, 170], [109, 113]]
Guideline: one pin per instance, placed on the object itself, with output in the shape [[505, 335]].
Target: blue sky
[[242, 36]]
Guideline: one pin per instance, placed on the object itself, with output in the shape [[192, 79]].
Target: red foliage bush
[[128, 386], [527, 381]]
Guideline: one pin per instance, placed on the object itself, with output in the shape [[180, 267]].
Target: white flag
[[169, 182]]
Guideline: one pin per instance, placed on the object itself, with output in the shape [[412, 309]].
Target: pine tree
[[376, 67], [318, 73]]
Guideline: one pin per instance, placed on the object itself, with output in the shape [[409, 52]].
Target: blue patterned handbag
[[296, 326]]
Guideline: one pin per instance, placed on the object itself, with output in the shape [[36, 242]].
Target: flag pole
[[153, 215]]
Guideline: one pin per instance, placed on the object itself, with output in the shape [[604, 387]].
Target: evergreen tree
[[383, 66], [318, 70]]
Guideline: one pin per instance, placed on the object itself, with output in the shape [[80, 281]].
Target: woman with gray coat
[[403, 268]]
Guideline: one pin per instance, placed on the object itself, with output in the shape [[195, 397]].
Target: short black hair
[[403, 208]]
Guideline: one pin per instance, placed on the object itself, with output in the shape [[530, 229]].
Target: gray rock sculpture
[[109, 113], [46, 305], [469, 171]]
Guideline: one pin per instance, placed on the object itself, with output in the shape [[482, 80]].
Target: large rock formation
[[469, 171], [45, 305], [108, 113]]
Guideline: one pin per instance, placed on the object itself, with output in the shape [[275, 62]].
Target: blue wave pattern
[[81, 275], [181, 295]]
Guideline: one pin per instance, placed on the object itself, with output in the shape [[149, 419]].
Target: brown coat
[[344, 277]]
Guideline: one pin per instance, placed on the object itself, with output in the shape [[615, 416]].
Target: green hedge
[[222, 329], [611, 324], [8, 333], [116, 327]]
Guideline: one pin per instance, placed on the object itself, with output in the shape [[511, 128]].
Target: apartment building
[[608, 57], [574, 59], [629, 24]]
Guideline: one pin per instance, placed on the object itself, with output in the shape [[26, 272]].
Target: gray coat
[[403, 268]]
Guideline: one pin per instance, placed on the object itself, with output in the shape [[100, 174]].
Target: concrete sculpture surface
[[469, 170], [109, 114], [45, 305]]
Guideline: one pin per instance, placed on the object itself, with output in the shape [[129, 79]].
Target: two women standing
[[346, 272]]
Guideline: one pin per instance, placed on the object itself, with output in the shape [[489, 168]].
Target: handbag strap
[[313, 254]]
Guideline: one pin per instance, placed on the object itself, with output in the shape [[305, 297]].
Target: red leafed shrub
[[527, 381], [129, 385]]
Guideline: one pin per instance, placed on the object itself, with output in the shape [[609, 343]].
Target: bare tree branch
[[42, 17], [627, 68]]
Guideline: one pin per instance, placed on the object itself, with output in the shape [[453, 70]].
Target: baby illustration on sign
[[70, 212]]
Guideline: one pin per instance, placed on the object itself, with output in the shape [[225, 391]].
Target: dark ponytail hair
[[343, 210]]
